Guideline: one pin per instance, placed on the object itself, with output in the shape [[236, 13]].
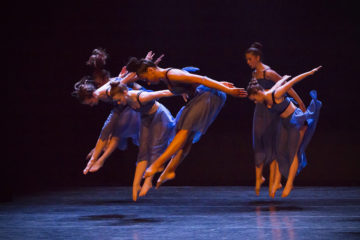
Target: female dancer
[[265, 122], [157, 128], [122, 123], [193, 119], [296, 128]]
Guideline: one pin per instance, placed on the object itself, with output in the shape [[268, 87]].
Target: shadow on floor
[[119, 219]]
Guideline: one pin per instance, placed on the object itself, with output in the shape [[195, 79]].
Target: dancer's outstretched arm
[[275, 77], [129, 78], [183, 76], [149, 96], [279, 83], [132, 77], [280, 92]]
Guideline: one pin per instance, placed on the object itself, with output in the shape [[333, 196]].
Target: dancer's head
[[98, 60], [255, 91], [84, 91], [145, 69], [118, 92], [254, 55]]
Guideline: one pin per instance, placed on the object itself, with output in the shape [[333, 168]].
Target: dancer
[[122, 123], [152, 140], [296, 128], [265, 123], [193, 119], [157, 128]]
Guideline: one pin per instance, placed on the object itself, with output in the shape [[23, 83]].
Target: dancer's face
[[91, 101], [120, 98], [151, 75], [258, 97], [252, 60]]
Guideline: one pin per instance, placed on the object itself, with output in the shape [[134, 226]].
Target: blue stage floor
[[184, 213]]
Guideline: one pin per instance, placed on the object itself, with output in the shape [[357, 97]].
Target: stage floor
[[184, 213]]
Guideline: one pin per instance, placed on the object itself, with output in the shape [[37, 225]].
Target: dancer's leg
[[112, 145], [177, 144], [139, 171], [259, 178], [276, 183], [147, 185], [170, 174], [170, 169], [293, 168], [272, 169]]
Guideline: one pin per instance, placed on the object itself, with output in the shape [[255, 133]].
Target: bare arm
[[279, 83], [275, 77], [280, 92], [136, 86], [185, 77], [149, 96], [131, 77]]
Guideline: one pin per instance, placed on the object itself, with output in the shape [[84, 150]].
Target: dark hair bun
[[253, 82], [84, 88], [83, 81], [257, 45], [97, 58], [133, 64]]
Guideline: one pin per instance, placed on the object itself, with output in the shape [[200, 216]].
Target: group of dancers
[[282, 126]]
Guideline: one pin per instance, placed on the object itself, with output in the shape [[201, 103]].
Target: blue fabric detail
[[191, 69]]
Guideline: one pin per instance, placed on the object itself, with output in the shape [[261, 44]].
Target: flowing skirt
[[265, 126], [124, 123], [157, 130], [198, 114], [289, 134]]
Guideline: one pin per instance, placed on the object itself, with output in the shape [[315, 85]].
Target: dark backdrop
[[49, 133]]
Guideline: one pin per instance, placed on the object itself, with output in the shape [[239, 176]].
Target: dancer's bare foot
[[96, 166], [287, 190], [258, 185], [152, 170], [146, 187], [88, 166], [135, 192], [165, 176], [274, 189]]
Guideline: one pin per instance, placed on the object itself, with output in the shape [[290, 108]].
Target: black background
[[49, 133]]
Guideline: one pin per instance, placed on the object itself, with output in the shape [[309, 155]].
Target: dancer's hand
[[185, 96], [228, 84], [237, 92], [123, 72], [285, 77], [315, 70], [158, 60], [149, 56]]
